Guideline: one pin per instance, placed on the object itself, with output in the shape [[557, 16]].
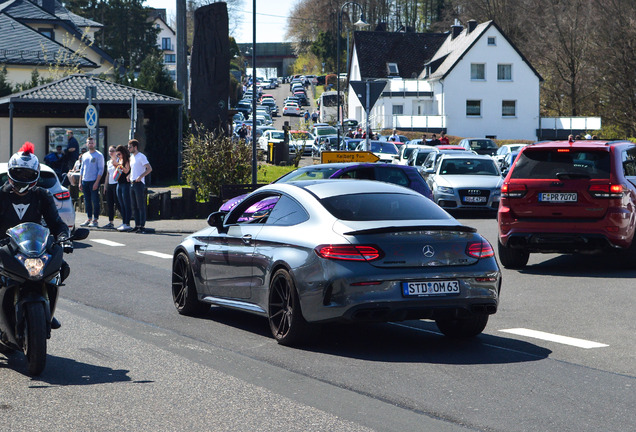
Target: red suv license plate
[[558, 197], [430, 288]]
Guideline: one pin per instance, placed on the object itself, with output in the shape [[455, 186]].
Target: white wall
[[34, 130], [523, 88]]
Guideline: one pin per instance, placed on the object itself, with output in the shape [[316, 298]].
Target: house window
[[508, 108], [393, 69], [47, 32], [492, 41], [473, 108], [477, 71], [170, 58], [398, 109], [504, 72], [165, 44]]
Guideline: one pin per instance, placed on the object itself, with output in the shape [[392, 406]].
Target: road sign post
[[368, 93]]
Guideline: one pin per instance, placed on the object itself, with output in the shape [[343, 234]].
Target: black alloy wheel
[[285, 317], [184, 293]]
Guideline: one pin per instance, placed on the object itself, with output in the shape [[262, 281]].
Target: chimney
[[472, 25], [456, 30], [49, 6]]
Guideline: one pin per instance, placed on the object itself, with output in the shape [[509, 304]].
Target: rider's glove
[[67, 246]]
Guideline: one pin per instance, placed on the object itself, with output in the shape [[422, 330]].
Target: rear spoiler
[[395, 229]]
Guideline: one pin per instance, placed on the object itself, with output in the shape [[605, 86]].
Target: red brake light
[[606, 191], [62, 195], [565, 150], [513, 190], [349, 252], [481, 249]]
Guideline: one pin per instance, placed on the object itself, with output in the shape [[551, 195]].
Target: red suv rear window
[[562, 163]]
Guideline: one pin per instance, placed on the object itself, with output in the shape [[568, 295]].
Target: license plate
[[475, 199], [558, 197], [430, 288]]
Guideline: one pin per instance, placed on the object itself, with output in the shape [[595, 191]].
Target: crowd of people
[[124, 186]]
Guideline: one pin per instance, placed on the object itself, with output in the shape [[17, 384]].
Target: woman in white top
[[111, 187]]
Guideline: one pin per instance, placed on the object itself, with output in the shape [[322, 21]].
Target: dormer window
[[47, 32], [492, 41], [393, 69]]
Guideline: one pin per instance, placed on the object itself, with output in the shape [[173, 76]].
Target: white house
[[470, 82], [166, 41]]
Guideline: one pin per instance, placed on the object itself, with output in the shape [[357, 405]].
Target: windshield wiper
[[572, 175]]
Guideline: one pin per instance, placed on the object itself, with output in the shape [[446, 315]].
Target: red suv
[[568, 197]]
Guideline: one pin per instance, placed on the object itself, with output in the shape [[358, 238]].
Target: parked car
[[338, 251], [507, 162], [291, 109], [270, 136], [465, 181], [271, 104], [318, 130], [483, 146], [327, 143], [407, 150], [396, 174], [505, 150], [563, 197], [301, 141], [386, 151], [419, 155], [428, 167], [61, 196]]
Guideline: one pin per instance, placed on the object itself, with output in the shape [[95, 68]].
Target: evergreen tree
[[5, 87]]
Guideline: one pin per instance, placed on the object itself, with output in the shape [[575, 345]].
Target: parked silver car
[[466, 181], [62, 197], [338, 250]]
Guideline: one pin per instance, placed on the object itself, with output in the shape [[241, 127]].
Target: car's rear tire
[[286, 320], [184, 292], [512, 258], [464, 327]]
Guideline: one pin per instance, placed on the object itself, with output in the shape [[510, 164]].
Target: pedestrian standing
[[139, 169], [110, 186], [123, 187], [90, 175], [72, 152], [443, 139]]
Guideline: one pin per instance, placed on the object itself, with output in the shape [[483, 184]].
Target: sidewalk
[[179, 226]]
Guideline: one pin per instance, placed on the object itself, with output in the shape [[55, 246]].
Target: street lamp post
[[360, 24]]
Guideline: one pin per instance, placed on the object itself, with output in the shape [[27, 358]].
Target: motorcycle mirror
[[80, 234]]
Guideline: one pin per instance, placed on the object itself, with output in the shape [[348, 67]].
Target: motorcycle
[[31, 272]]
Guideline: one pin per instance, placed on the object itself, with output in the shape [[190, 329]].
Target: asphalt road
[[125, 360]]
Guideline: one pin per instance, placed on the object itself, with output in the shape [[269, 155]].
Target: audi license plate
[[558, 197], [475, 199], [430, 288]]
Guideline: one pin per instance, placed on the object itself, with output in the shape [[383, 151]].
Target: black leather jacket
[[31, 207]]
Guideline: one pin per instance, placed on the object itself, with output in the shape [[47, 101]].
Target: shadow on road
[[403, 342], [61, 371], [606, 266]]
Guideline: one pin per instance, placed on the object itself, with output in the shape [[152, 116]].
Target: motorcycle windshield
[[31, 238]]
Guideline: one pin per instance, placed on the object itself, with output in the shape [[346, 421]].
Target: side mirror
[[216, 219], [80, 234]]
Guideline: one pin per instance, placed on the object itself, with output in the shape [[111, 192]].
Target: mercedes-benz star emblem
[[428, 251]]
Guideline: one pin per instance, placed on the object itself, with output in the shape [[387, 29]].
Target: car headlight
[[446, 190], [34, 266]]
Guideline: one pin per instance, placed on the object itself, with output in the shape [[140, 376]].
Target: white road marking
[[581, 343], [107, 242], [156, 254]]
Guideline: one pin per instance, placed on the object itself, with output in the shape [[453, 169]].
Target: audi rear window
[[562, 164]]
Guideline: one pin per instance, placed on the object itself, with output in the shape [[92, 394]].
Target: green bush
[[210, 162]]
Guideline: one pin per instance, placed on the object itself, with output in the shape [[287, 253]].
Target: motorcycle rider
[[22, 201]]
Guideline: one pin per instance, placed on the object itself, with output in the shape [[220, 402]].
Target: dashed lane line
[[580, 343], [156, 254], [107, 242]]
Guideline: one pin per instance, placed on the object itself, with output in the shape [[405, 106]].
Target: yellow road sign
[[348, 156]]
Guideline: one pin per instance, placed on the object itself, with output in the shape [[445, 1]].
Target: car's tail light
[[513, 190], [349, 252], [62, 195], [606, 191], [480, 249]]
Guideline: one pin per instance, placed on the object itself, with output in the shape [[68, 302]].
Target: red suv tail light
[[509, 190], [481, 249], [62, 195], [349, 252], [606, 191]]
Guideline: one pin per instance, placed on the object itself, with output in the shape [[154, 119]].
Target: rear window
[[482, 144], [563, 164], [382, 206]]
